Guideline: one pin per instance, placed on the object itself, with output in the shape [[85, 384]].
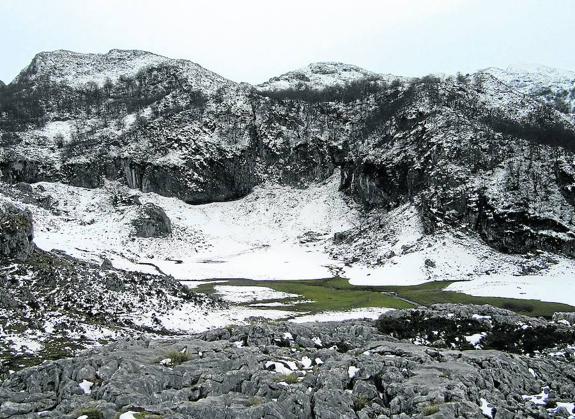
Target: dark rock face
[[152, 221], [329, 370], [16, 232], [471, 326]]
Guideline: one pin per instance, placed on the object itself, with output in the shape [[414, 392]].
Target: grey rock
[[24, 187], [469, 326], [16, 232], [106, 264], [564, 316], [152, 221], [394, 379]]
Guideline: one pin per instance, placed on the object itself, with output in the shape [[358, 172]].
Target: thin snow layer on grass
[[280, 304], [196, 284], [24, 344], [193, 319], [554, 284], [333, 316], [242, 294]]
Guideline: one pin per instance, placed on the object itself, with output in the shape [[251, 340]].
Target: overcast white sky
[[253, 40]]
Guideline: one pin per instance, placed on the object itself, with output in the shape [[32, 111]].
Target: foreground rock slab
[[284, 370]]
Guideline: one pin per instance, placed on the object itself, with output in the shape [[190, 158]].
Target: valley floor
[[284, 233]]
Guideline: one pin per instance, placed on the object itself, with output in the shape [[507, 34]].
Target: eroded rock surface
[[477, 326], [326, 370]]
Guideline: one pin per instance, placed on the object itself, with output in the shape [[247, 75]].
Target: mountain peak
[[76, 69], [551, 85], [318, 76], [531, 71]]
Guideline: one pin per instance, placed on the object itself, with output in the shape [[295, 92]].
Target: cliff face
[[473, 153]]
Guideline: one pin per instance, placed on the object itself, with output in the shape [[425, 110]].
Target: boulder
[[477, 326], [564, 317], [16, 232], [152, 221]]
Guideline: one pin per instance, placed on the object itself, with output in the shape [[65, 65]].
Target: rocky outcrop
[[151, 221], [564, 317], [471, 326], [52, 305], [328, 370], [16, 232]]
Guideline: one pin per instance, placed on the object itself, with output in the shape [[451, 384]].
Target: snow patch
[[332, 316], [246, 294], [475, 339], [86, 386], [486, 408]]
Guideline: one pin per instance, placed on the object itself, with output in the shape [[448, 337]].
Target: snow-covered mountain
[[77, 69], [328, 170], [481, 152]]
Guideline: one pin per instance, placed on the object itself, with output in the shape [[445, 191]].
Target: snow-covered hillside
[[552, 85], [77, 69], [385, 180], [318, 76], [274, 233], [280, 232]]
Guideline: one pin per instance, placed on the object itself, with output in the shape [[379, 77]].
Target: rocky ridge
[[472, 152]]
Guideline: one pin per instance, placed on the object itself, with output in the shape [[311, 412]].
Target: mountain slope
[[551, 85], [318, 76], [470, 156]]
